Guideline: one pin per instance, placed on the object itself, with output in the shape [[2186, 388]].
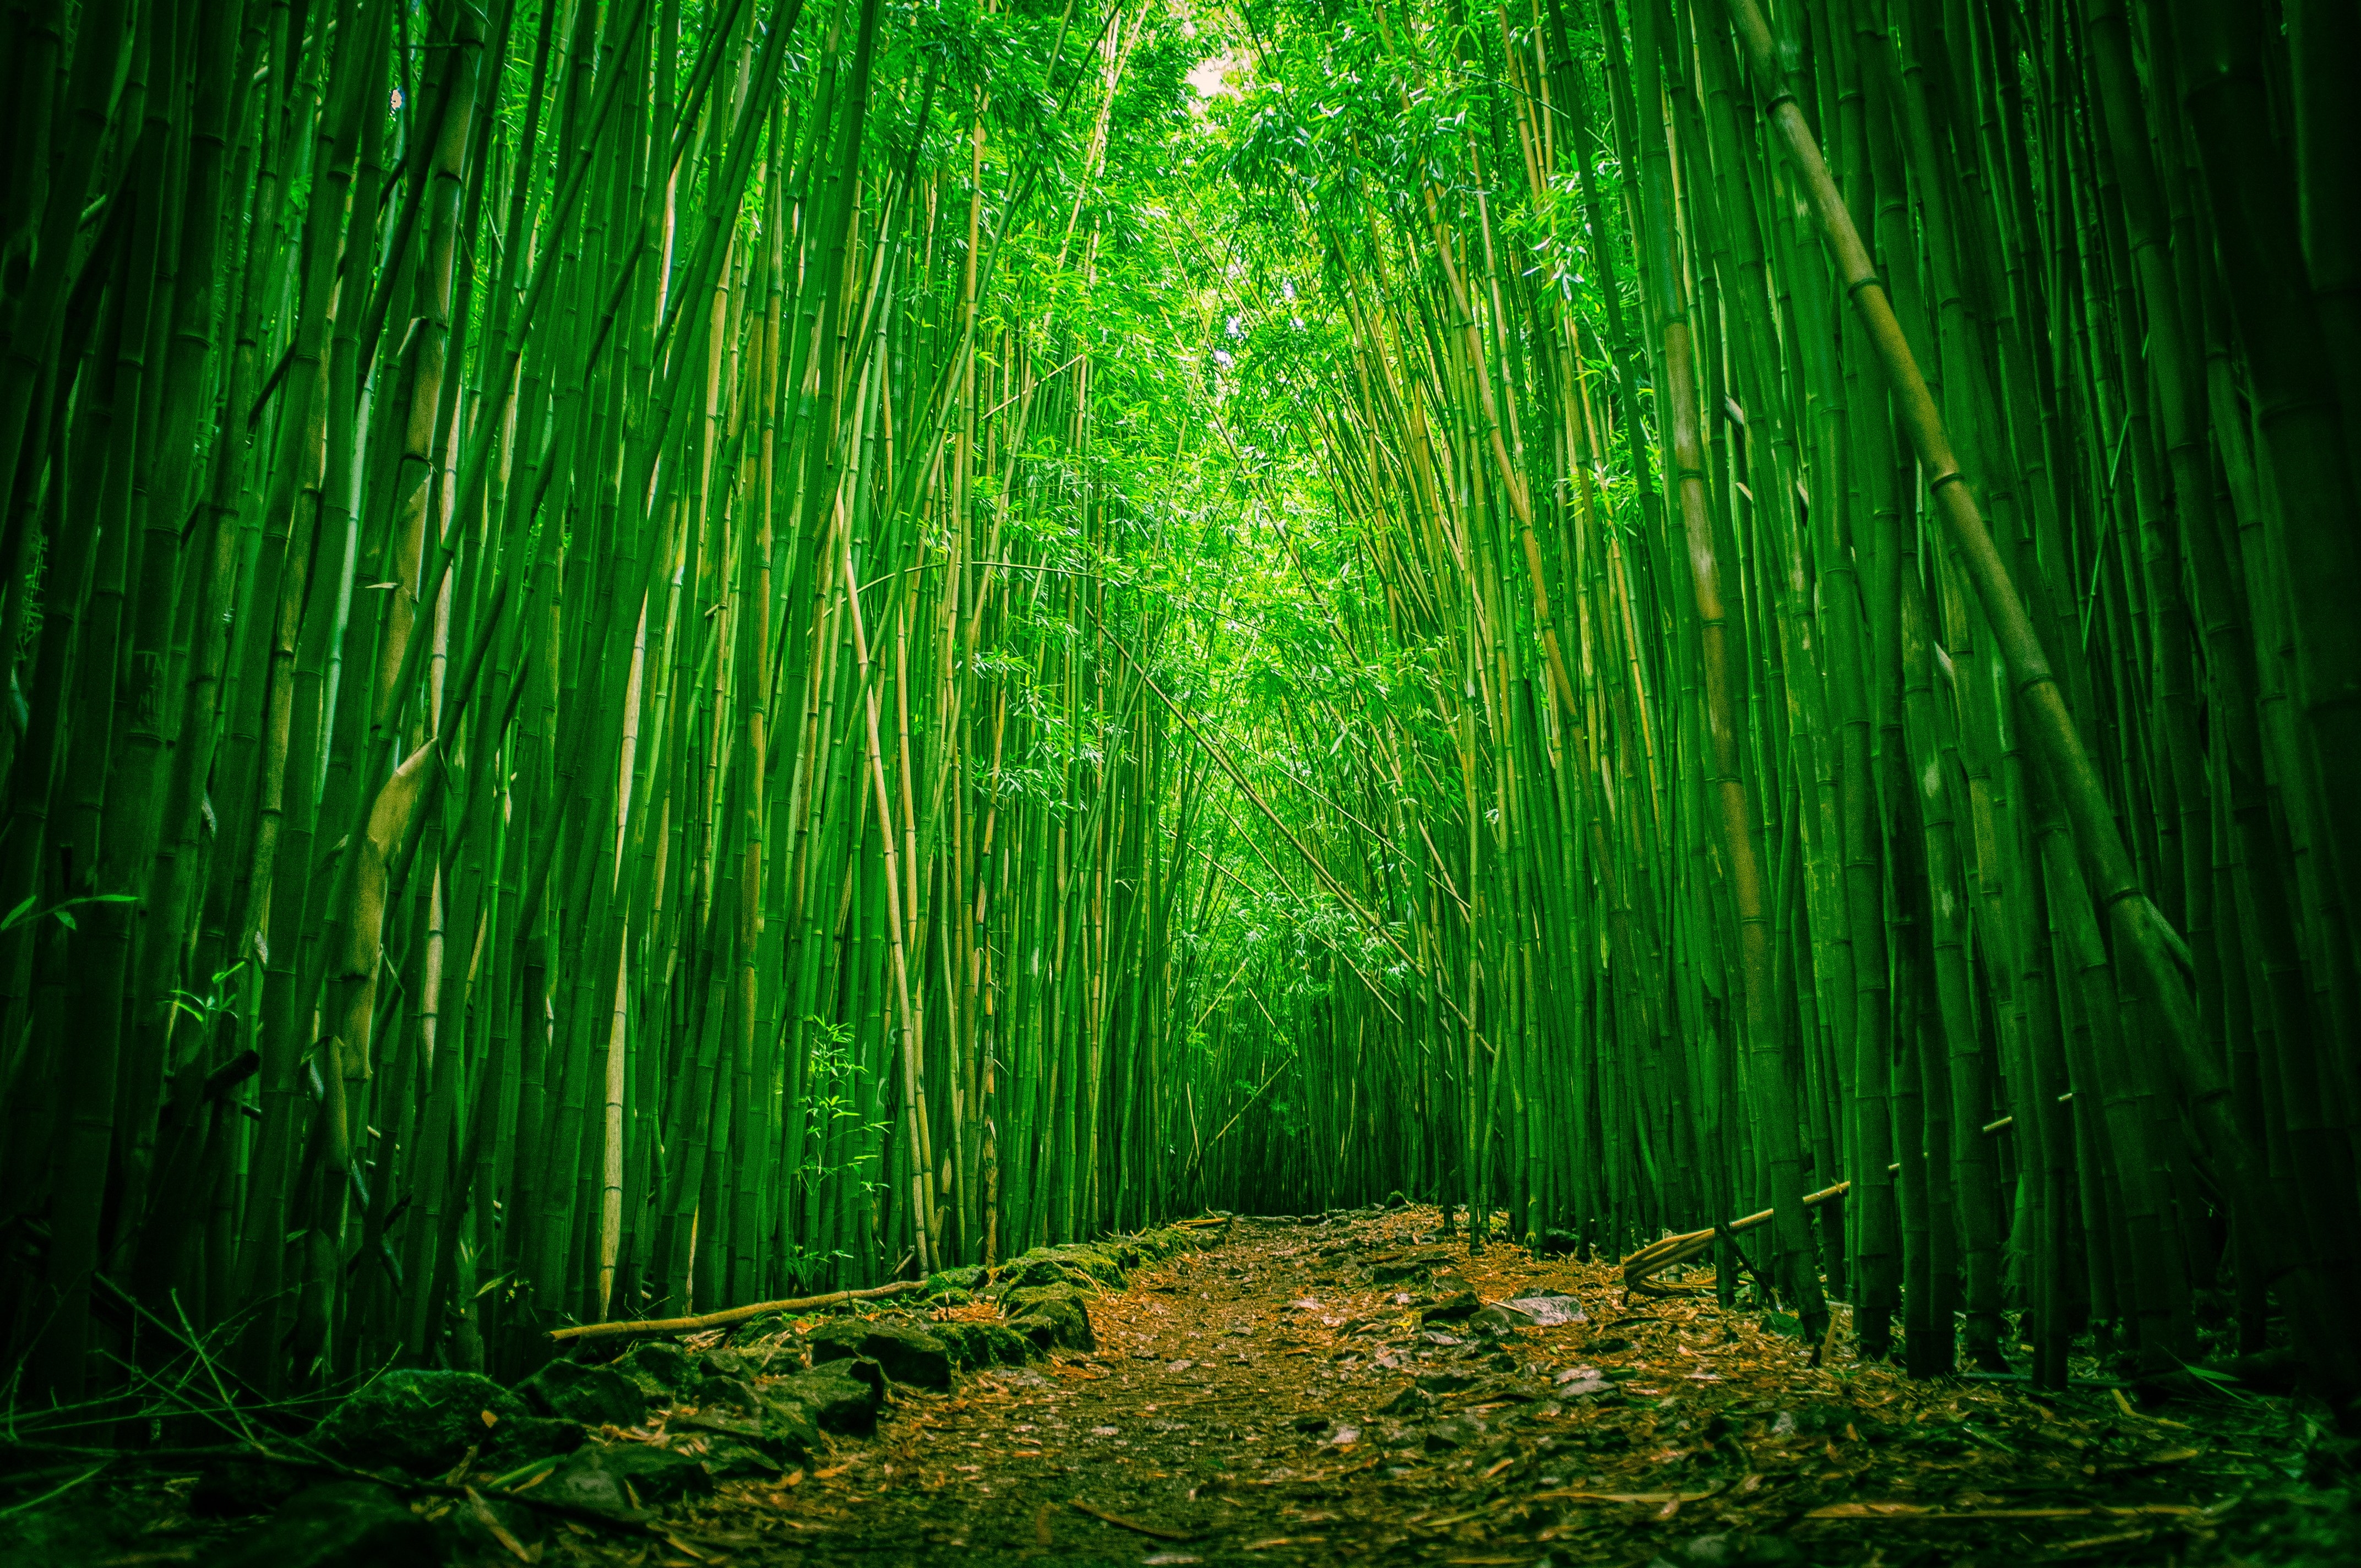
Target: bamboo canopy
[[674, 660]]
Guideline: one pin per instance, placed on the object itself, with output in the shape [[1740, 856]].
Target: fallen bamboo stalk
[[1658, 1256], [733, 1315]]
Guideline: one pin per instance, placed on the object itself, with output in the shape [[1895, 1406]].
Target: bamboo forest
[[828, 782]]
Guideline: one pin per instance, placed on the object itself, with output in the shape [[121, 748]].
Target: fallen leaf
[[491, 1522], [1156, 1530]]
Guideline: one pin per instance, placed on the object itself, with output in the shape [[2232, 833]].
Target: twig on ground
[[1158, 1532]]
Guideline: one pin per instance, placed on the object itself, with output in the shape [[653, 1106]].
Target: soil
[[1352, 1391]]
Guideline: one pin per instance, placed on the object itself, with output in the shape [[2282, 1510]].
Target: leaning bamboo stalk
[[2156, 950], [2029, 667]]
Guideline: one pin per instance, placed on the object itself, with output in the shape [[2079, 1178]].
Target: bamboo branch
[[733, 1315]]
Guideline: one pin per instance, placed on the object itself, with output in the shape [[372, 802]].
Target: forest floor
[[1278, 1400], [1358, 1391]]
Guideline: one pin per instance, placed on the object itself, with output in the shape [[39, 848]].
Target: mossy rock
[[949, 1281], [1125, 1253], [985, 1344], [1557, 1244], [73, 1532], [342, 1525], [1024, 1298], [730, 1459], [1457, 1306], [595, 1396], [662, 1368], [762, 1326], [1156, 1245], [860, 1369], [1029, 1273], [789, 1426], [716, 1393], [609, 1475], [527, 1437], [837, 1396], [1098, 1262], [907, 1353], [782, 1431], [1043, 1331], [234, 1487], [464, 1538], [1074, 1263], [1051, 1316], [1403, 1271], [746, 1363], [1035, 1273], [423, 1422]]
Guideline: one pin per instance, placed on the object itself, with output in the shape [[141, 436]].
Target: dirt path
[[1293, 1397]]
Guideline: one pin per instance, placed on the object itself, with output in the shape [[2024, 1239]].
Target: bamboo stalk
[[730, 1315]]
